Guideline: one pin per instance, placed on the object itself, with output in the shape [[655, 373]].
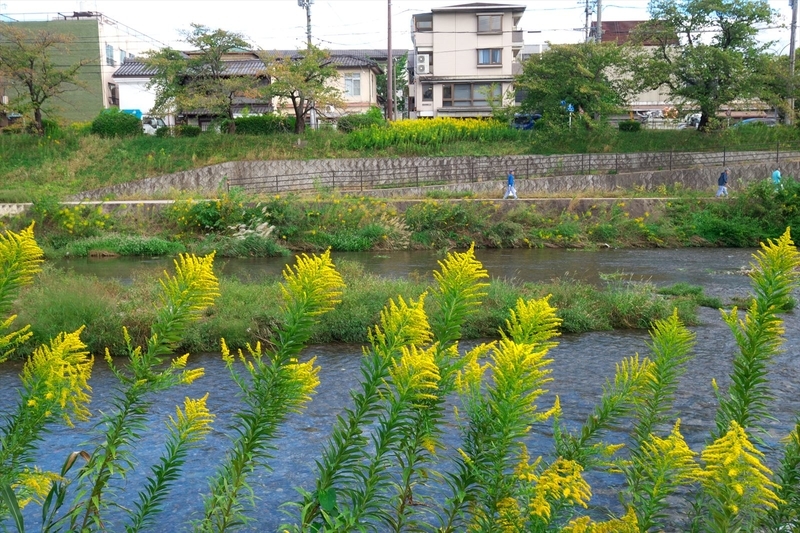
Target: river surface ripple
[[581, 365]]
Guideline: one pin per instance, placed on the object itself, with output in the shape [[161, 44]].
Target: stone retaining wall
[[574, 173]]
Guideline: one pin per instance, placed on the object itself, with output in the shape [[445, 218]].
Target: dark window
[[427, 92], [113, 97], [490, 23], [423, 22], [469, 95]]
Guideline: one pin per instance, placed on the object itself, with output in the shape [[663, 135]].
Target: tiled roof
[[368, 58], [137, 69]]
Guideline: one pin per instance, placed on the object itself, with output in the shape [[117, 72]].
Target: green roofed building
[[102, 42]]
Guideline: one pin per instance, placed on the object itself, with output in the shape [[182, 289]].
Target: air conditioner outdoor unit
[[423, 64]]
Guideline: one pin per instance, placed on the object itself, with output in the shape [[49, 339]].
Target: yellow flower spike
[[180, 362], [190, 376], [533, 322], [34, 485], [194, 285], [415, 374], [402, 324], [733, 462], [313, 283], [563, 481], [306, 376], [194, 422], [61, 371], [468, 380], [226, 352]]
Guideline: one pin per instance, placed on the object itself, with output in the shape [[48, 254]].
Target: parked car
[[151, 124], [525, 121], [765, 121]]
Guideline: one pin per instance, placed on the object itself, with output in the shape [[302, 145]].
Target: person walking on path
[[723, 184], [776, 178], [511, 190]]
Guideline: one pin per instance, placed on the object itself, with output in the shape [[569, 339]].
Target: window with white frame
[[470, 94], [490, 23], [490, 56], [109, 55], [352, 84], [122, 56]]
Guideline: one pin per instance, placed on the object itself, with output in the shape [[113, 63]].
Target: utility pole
[[306, 4], [790, 115], [586, 25], [389, 70], [599, 29]]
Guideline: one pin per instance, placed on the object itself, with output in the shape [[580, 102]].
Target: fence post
[[777, 152], [670, 158], [333, 179], [589, 169], [416, 169], [277, 190], [361, 179]]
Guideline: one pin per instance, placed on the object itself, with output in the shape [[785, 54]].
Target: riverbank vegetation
[[238, 225], [63, 301], [387, 449], [71, 160]]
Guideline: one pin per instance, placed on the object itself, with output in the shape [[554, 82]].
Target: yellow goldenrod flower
[[60, 371], [732, 462], [415, 374], [194, 422]]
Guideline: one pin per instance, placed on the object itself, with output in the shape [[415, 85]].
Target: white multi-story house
[[464, 57]]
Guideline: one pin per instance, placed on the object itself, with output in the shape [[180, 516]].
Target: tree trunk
[[37, 121], [299, 116]]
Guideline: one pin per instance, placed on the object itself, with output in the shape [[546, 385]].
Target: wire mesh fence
[[352, 175]]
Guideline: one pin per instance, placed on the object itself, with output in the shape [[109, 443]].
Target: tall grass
[[63, 301]]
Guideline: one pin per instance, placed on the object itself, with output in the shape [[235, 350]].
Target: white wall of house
[[118, 42], [469, 54], [359, 89], [135, 96]]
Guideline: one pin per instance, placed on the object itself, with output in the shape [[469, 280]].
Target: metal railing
[[418, 172]]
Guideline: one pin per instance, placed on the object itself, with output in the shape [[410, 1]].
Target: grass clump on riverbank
[[63, 301]]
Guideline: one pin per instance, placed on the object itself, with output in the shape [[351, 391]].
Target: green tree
[[704, 51], [304, 80], [201, 79], [585, 75], [776, 85], [400, 82], [29, 59]]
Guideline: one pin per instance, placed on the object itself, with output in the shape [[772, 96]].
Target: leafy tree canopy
[[579, 74], [200, 79], [305, 80], [30, 60], [704, 51]]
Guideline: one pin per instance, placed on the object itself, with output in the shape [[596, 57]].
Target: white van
[[151, 124]]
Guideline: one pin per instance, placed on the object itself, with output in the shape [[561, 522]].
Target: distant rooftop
[[480, 6], [78, 15]]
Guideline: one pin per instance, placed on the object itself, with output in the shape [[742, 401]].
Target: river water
[[581, 364]]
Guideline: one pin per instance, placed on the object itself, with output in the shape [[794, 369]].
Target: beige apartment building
[[463, 57]]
